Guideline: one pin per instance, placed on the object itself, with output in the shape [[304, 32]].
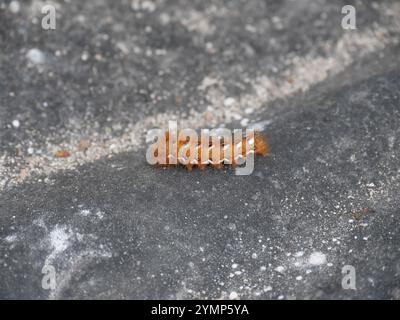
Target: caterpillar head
[[261, 146]]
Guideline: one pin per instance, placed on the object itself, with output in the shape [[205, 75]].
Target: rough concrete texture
[[115, 227]]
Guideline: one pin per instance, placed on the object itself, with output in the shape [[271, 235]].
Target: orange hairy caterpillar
[[186, 148]]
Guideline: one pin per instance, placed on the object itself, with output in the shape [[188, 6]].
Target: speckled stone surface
[[114, 227]]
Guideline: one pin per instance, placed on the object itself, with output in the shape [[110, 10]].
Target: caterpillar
[[187, 149]]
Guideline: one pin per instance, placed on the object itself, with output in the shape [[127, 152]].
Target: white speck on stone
[[229, 102], [237, 116], [299, 278], [30, 150], [280, 269], [267, 288], [16, 124], [100, 214], [317, 258], [299, 254], [263, 268], [254, 255], [14, 6], [234, 266], [260, 126], [244, 122], [232, 226], [36, 56], [85, 56], [391, 141], [165, 18], [233, 295], [123, 48], [59, 239], [257, 293], [10, 238], [85, 212], [248, 110], [280, 297]]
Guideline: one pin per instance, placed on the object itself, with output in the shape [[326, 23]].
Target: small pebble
[[36, 56], [268, 288], [244, 122], [16, 124], [14, 6], [280, 269], [233, 295], [85, 56], [229, 102], [317, 258], [299, 254]]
